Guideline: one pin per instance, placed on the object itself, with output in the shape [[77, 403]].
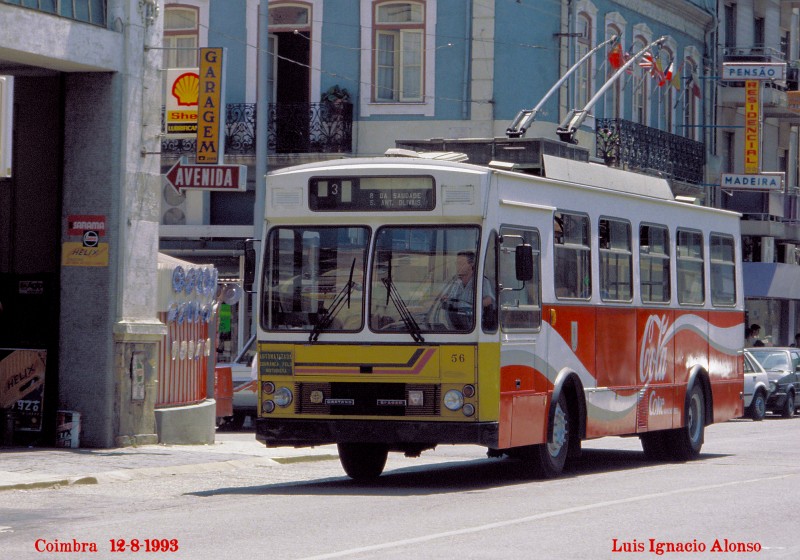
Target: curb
[[125, 475]]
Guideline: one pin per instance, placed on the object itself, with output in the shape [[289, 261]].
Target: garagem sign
[[741, 71]]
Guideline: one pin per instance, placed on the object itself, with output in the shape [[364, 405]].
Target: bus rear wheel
[[684, 444], [362, 461]]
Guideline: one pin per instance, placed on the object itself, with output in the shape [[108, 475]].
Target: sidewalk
[[24, 468]]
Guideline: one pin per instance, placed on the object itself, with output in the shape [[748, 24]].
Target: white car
[[245, 398], [756, 388]]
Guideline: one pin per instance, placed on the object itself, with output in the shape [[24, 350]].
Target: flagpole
[[525, 118], [566, 131]]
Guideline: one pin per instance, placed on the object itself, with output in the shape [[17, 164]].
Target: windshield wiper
[[328, 315], [408, 319]]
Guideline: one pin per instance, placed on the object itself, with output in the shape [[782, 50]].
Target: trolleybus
[[409, 302]]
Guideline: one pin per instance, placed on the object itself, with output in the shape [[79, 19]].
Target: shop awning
[[771, 280]]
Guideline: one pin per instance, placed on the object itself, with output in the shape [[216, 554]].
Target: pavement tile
[[43, 467]]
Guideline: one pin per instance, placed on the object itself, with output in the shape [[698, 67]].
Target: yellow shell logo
[[186, 89]]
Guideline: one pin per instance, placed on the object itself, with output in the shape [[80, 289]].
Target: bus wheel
[[362, 461], [685, 443], [549, 458]]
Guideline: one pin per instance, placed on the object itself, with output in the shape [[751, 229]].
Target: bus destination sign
[[376, 194]]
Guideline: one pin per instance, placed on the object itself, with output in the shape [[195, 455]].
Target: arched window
[[180, 36], [613, 96], [666, 98], [641, 79], [692, 94], [583, 45]]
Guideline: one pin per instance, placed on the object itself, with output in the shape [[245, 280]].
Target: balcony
[[773, 94], [622, 143], [293, 128]]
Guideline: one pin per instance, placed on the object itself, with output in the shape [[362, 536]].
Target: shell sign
[[183, 88]]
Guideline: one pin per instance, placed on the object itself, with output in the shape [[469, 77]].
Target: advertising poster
[[22, 386]]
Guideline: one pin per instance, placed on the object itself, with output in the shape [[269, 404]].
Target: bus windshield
[[423, 279], [313, 279]]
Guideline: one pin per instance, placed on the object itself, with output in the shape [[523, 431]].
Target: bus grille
[[367, 399]]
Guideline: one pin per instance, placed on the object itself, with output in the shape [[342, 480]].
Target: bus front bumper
[[280, 432]]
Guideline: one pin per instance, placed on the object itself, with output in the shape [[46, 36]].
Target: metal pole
[[525, 118], [262, 124], [574, 120]]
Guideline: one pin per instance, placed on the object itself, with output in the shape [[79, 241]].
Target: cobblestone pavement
[[43, 467]]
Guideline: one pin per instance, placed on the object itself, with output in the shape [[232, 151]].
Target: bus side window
[[489, 307], [520, 301], [573, 256], [690, 267]]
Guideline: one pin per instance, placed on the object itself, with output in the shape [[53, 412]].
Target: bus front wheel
[[548, 459], [362, 461]]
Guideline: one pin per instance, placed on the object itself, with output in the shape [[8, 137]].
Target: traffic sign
[[207, 177]]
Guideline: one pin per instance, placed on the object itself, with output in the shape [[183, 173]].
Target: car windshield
[[771, 359]]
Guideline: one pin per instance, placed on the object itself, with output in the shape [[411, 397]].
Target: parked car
[[756, 388], [782, 366], [245, 398]]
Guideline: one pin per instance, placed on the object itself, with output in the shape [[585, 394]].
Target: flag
[[615, 57], [668, 74], [694, 85], [675, 81], [650, 64], [658, 73], [647, 62], [625, 58]]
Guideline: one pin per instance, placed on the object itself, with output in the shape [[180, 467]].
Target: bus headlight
[[267, 407], [468, 409], [282, 397], [453, 399]]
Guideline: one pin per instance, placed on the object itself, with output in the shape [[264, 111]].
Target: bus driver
[[459, 294]]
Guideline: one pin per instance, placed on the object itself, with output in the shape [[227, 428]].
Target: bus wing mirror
[[249, 265], [524, 262]]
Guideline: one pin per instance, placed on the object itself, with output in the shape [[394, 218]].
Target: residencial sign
[[210, 114], [742, 71], [752, 126], [181, 102], [207, 177], [772, 181]]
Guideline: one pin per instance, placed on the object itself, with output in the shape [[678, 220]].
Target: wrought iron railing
[[292, 128], [626, 143], [310, 127]]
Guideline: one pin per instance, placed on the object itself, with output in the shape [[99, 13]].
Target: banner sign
[[210, 113], [741, 71], [752, 126], [180, 119], [22, 374], [772, 181]]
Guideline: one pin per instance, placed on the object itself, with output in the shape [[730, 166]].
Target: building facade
[[357, 77], [79, 216]]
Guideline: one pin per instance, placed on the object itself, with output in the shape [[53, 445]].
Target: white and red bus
[[409, 302]]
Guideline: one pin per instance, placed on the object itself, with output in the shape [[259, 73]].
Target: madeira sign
[[207, 177]]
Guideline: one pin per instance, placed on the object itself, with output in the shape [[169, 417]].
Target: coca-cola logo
[[653, 356]]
